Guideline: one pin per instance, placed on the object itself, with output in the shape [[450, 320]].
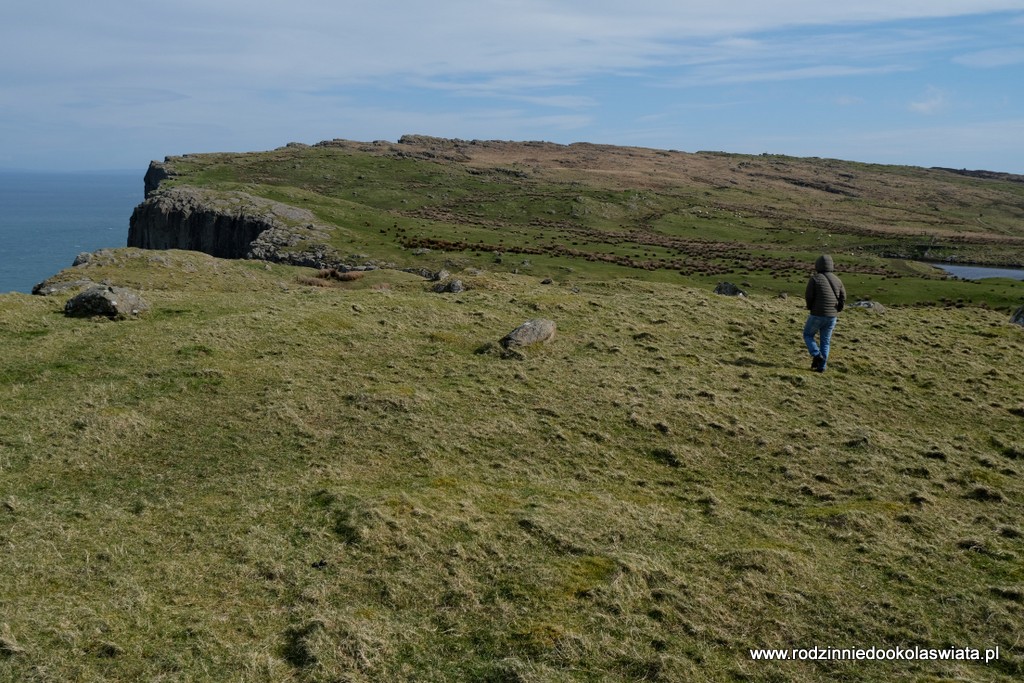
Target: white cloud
[[933, 101], [245, 70], [231, 42], [731, 74]]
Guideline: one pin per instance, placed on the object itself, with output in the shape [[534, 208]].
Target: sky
[[112, 84]]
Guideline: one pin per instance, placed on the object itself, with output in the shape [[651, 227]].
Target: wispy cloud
[[933, 101], [730, 74], [265, 71], [800, 55], [310, 42], [997, 57]]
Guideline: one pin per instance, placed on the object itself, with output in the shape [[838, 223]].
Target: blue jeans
[[822, 326]]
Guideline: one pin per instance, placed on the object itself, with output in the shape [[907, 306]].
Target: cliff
[[227, 225], [156, 174]]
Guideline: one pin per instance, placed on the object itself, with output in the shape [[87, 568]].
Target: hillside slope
[[263, 480], [599, 210]]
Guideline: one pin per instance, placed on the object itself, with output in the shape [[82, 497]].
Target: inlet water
[[980, 272]]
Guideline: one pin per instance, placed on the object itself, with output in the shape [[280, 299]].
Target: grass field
[[601, 211], [262, 480]]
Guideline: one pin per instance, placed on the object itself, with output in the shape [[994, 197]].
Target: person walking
[[825, 297]]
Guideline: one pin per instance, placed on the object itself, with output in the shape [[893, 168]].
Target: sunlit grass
[[686, 219], [267, 481]]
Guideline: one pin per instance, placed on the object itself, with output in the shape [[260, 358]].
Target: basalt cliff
[[226, 224]]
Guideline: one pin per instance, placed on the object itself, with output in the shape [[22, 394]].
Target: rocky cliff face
[[155, 174], [227, 225], [187, 218]]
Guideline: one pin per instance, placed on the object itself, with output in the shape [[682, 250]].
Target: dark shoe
[[817, 364]]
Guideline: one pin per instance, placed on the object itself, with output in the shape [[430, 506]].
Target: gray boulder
[[729, 289], [1018, 317], [450, 287], [533, 331], [116, 303]]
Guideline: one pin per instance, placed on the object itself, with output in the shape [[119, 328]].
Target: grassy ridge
[[265, 481], [690, 219]]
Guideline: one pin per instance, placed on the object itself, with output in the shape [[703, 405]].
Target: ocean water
[[46, 219]]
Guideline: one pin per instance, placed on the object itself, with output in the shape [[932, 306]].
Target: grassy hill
[[594, 211], [262, 480]]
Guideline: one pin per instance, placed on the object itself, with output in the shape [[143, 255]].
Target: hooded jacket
[[825, 294]]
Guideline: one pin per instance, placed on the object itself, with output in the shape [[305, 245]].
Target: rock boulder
[[729, 289], [533, 331], [450, 287], [51, 287], [116, 303]]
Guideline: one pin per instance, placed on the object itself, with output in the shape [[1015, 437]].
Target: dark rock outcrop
[[187, 218], [230, 225], [116, 303], [155, 174], [450, 287], [49, 287], [729, 289], [1018, 317]]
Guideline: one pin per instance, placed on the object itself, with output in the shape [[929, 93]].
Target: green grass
[[265, 481], [658, 215]]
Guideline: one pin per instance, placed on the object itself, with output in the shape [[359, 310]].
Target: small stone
[[872, 306]]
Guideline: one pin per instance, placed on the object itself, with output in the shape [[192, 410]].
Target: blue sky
[[111, 84]]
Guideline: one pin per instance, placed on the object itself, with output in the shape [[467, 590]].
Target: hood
[[824, 264]]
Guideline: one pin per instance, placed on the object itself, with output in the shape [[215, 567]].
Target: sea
[[46, 219]]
